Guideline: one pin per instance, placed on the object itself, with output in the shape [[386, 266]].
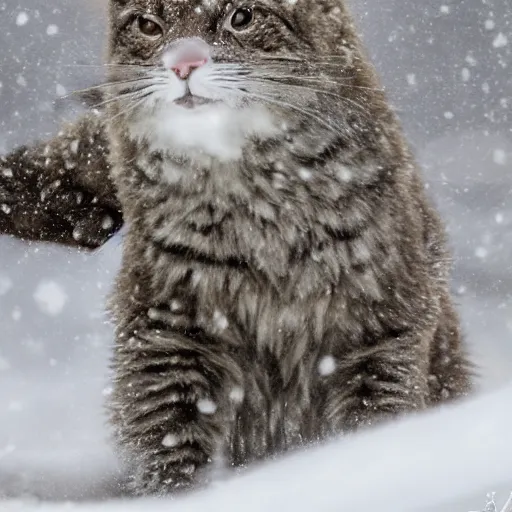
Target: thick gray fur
[[319, 304]]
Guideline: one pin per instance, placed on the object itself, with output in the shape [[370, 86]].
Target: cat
[[284, 276], [271, 198]]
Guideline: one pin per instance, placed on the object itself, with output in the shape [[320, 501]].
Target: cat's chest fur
[[285, 273], [267, 267], [283, 304]]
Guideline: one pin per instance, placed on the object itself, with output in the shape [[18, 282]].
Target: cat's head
[[208, 75]]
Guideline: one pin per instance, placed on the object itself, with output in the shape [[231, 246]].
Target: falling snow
[[500, 41], [305, 174], [176, 306], [446, 67], [16, 314], [20, 80], [52, 30], [206, 406], [106, 391], [170, 440], [489, 24], [326, 366], [60, 90], [220, 321], [50, 297], [471, 60], [107, 222], [22, 19], [73, 147], [481, 252], [344, 173], [499, 157], [236, 395], [466, 74]]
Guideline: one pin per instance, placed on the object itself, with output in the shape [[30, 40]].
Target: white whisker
[[139, 99], [123, 97], [269, 99], [273, 77], [105, 85], [360, 107]]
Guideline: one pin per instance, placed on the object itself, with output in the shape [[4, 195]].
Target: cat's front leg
[[169, 405], [374, 384], [60, 191]]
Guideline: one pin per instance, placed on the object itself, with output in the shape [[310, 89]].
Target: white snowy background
[[447, 66]]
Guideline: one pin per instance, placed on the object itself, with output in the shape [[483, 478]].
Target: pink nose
[[183, 69], [185, 55]]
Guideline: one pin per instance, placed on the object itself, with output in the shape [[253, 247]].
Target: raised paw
[[89, 221], [61, 191]]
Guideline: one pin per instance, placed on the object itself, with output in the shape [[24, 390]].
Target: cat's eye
[[149, 26], [242, 18]]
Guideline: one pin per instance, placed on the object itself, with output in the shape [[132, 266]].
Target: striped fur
[[295, 291]]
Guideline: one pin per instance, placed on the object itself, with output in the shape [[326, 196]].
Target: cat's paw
[[91, 221], [52, 204]]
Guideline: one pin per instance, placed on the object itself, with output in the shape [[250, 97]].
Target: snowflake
[[206, 406], [326, 366], [50, 297], [170, 440], [22, 19]]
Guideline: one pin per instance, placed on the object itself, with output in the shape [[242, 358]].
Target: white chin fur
[[217, 130], [213, 130]]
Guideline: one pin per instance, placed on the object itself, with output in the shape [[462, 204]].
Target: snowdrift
[[419, 463]]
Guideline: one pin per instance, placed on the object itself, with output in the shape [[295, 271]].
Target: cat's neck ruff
[[203, 132]]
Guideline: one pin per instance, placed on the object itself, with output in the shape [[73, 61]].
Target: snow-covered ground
[[420, 464], [452, 84]]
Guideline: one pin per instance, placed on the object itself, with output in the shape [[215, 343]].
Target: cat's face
[[207, 75]]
